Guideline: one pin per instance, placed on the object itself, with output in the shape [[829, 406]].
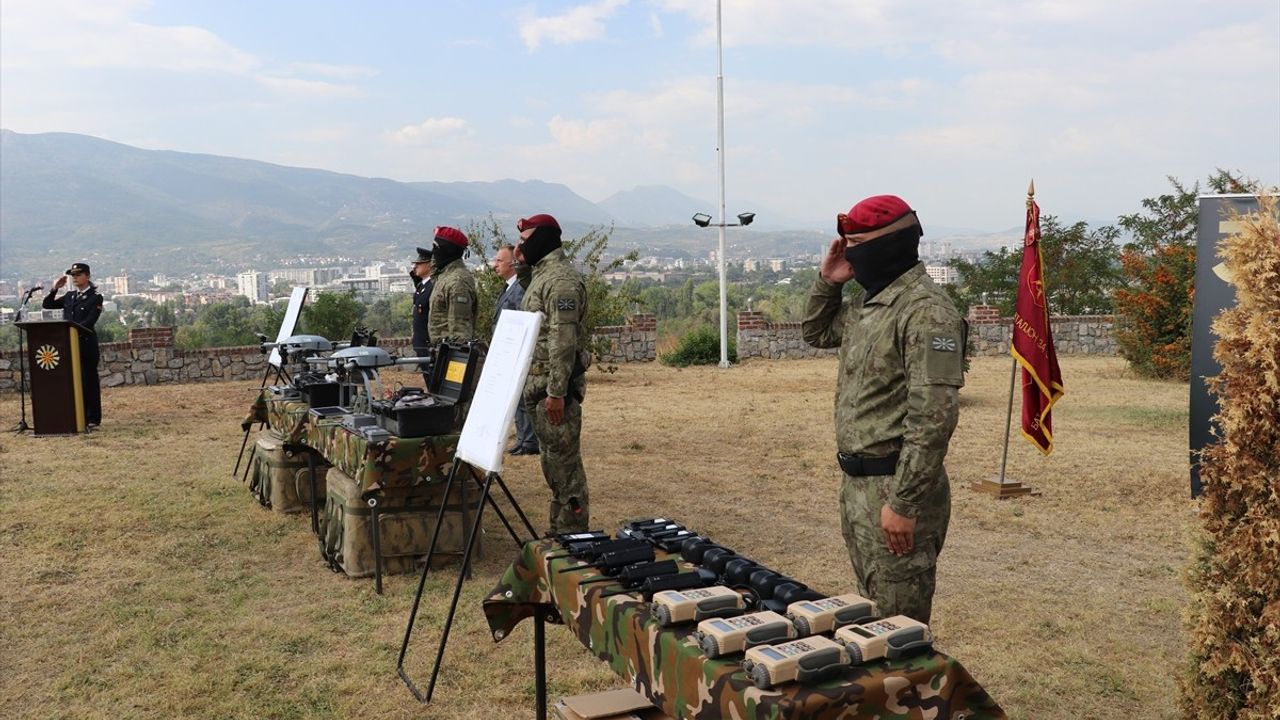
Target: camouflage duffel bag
[[281, 477], [406, 521]]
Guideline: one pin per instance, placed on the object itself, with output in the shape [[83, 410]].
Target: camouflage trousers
[[900, 585], [561, 456]]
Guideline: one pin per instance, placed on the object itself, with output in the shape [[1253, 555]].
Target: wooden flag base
[[1003, 489]]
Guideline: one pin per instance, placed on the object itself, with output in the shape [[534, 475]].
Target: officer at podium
[[82, 305]]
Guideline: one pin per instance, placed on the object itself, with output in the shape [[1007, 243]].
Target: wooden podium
[[53, 366]]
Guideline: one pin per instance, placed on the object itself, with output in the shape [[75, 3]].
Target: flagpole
[[1002, 487], [1013, 372]]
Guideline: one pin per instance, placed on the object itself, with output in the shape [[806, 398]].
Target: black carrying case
[[454, 372]]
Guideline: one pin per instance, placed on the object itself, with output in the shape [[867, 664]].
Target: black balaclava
[[876, 263], [445, 252], [544, 239]]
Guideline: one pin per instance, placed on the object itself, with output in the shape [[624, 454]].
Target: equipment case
[[405, 521], [281, 477]]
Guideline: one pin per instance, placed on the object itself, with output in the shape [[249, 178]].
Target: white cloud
[[301, 88], [655, 25], [341, 72], [586, 135], [431, 130], [584, 22], [103, 35]]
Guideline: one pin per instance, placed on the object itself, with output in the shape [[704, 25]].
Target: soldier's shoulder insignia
[[462, 299], [567, 304], [945, 344]]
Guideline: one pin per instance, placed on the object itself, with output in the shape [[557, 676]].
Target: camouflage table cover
[[389, 465], [668, 668], [287, 418]]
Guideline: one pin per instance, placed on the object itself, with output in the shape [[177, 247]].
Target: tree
[[1154, 304], [1080, 267], [391, 316], [333, 315], [606, 304]]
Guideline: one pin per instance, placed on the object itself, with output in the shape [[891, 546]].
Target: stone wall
[[149, 357], [1072, 334], [989, 335], [637, 341], [760, 339]]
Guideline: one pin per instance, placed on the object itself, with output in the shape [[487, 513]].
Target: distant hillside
[[66, 197], [73, 196], [653, 206]]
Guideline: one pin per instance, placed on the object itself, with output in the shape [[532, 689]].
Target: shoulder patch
[[567, 303], [463, 299], [944, 344]]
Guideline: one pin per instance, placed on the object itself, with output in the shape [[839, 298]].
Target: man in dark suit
[[422, 284], [512, 294], [82, 305]]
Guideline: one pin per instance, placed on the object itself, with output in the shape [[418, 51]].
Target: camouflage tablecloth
[[669, 669], [388, 465], [287, 418]]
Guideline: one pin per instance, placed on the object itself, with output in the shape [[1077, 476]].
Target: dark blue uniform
[[421, 308], [83, 308]]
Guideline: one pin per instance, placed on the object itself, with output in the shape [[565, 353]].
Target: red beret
[[452, 235], [533, 221], [875, 213]]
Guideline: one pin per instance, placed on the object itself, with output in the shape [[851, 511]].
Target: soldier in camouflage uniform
[[452, 313], [557, 382], [897, 400]]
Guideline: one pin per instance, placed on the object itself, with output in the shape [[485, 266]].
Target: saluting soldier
[[82, 305], [452, 315], [420, 272], [557, 382], [897, 401]]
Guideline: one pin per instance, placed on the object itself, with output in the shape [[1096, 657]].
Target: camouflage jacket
[[901, 368], [558, 292], [452, 314]]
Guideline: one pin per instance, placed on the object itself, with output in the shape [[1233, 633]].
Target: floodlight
[[745, 219], [701, 219]]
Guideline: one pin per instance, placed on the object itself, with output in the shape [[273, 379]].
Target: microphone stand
[[22, 425]]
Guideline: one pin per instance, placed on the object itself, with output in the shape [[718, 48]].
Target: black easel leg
[[377, 545], [422, 582], [457, 590], [502, 516], [533, 534], [540, 660], [311, 473]]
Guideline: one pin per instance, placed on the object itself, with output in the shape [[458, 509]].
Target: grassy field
[[140, 580]]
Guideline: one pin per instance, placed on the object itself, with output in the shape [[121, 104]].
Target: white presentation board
[[493, 407], [296, 299]]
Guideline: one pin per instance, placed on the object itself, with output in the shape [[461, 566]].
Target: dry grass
[[140, 580]]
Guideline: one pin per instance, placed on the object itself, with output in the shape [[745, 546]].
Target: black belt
[[866, 465]]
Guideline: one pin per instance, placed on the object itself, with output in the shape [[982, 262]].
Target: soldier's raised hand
[[62, 280], [835, 267]]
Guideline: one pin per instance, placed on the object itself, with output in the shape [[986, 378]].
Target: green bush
[[700, 347]]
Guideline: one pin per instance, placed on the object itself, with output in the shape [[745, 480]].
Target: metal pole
[[1008, 421], [724, 304]]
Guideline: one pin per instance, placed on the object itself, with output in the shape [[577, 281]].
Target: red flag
[[1032, 343]]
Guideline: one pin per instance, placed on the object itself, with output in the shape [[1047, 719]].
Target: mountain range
[[67, 197]]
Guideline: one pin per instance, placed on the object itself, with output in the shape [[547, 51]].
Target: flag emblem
[[47, 357], [567, 304], [944, 344]]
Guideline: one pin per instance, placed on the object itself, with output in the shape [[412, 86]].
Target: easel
[[276, 362], [281, 377], [480, 447], [472, 533], [22, 425]]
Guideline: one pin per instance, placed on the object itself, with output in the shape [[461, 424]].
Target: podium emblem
[[47, 357]]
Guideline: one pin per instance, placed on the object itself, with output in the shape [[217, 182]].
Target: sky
[[952, 104]]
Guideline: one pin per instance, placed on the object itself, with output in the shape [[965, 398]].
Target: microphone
[[33, 290]]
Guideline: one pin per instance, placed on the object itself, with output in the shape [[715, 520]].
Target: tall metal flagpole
[[724, 304], [1002, 486]]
